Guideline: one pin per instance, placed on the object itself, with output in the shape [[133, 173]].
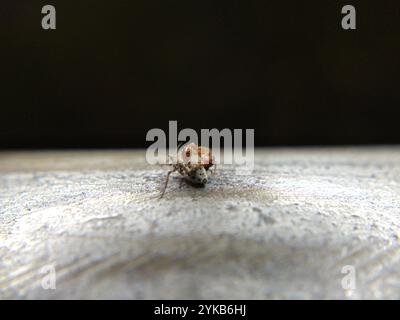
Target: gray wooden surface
[[284, 232]]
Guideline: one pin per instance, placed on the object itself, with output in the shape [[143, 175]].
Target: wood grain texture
[[285, 231]]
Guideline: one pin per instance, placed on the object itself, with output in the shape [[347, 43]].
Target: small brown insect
[[193, 164]]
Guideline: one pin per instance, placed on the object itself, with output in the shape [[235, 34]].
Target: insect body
[[193, 164]]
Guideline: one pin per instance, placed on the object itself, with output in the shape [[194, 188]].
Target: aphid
[[193, 164]]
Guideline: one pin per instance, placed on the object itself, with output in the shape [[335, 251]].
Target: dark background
[[115, 69]]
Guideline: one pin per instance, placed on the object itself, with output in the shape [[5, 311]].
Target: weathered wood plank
[[286, 231]]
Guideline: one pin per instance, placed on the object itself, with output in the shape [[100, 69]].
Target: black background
[[115, 69]]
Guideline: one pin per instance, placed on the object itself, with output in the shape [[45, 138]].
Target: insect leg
[[166, 182], [213, 170], [185, 169]]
